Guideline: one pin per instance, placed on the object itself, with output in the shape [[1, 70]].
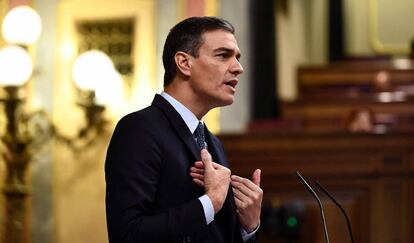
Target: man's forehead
[[218, 33], [220, 39]]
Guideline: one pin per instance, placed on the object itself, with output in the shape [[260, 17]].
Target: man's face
[[214, 72]]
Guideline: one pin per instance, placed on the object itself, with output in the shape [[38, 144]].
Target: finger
[[206, 158], [197, 170], [239, 204], [199, 164], [256, 177], [236, 180], [254, 194], [216, 166], [240, 196], [241, 190], [198, 182], [197, 176]]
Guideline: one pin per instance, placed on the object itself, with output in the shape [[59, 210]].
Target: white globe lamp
[[22, 26], [91, 69], [16, 66]]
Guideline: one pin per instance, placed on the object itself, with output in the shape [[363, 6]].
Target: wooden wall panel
[[370, 174]]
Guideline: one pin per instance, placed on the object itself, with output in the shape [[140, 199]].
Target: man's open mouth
[[232, 83]]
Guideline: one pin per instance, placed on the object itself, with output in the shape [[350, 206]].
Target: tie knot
[[200, 136]]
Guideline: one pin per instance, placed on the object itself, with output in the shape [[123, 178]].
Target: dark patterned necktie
[[200, 136]]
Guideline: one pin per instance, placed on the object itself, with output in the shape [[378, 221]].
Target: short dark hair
[[186, 36]]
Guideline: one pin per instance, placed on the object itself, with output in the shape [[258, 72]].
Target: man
[[165, 184]]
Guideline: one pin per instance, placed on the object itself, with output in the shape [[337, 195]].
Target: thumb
[[206, 158], [256, 177]]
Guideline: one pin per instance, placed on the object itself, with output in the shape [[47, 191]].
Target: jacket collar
[[178, 124]]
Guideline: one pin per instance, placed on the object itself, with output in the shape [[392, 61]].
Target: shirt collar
[[189, 118]]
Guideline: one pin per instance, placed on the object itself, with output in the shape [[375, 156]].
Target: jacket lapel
[[178, 124], [214, 149]]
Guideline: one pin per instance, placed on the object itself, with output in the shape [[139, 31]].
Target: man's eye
[[223, 55]]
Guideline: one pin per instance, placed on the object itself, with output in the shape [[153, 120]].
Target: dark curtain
[[263, 32], [336, 31]]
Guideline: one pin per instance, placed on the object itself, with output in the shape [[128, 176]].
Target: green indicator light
[[292, 222]]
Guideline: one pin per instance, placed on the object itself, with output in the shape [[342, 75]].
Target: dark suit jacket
[[150, 196]]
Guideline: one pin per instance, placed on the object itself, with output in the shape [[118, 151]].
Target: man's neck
[[188, 99]]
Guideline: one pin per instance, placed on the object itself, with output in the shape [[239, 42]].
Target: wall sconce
[[15, 70], [94, 75], [97, 82], [16, 139]]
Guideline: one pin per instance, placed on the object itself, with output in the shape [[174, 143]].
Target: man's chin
[[228, 101], [224, 100]]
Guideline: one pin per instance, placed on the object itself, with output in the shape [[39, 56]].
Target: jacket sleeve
[[132, 172]]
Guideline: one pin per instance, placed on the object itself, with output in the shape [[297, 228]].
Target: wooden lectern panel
[[370, 174]]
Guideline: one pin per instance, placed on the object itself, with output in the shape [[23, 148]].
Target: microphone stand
[[340, 207], [319, 203]]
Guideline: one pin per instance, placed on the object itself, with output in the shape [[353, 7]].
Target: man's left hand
[[248, 197]]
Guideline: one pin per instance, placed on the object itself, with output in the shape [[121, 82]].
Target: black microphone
[[348, 223], [319, 203]]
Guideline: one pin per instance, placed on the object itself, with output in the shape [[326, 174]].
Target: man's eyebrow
[[228, 50]]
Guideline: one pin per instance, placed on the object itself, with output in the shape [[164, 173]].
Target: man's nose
[[237, 68]]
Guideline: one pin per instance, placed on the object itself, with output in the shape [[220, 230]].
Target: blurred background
[[327, 90]]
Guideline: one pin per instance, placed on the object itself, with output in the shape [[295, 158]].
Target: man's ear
[[182, 60]]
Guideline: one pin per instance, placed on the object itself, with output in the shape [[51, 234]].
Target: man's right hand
[[216, 180]]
